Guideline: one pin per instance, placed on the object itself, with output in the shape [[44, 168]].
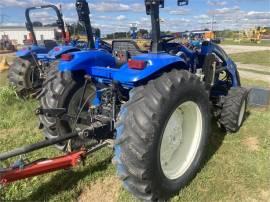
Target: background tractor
[[6, 44], [154, 106], [32, 64], [29, 68]]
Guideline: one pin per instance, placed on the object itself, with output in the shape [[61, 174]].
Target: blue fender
[[156, 62], [57, 51], [101, 65], [231, 67], [34, 49], [86, 60]]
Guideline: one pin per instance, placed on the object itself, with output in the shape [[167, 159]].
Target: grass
[[258, 57], [245, 43], [18, 126], [236, 165]]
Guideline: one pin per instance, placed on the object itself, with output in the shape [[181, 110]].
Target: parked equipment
[[28, 71], [6, 44], [4, 64], [155, 105], [255, 34]]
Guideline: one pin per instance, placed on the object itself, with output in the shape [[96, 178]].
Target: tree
[[37, 24], [97, 32], [142, 32]]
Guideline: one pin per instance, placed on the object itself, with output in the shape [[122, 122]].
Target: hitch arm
[[42, 167], [33, 147]]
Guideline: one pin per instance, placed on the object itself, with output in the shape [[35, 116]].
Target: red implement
[[42, 167]]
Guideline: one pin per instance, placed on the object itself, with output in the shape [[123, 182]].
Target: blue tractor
[[32, 64], [156, 106], [29, 68]]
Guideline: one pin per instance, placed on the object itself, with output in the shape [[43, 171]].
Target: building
[[19, 34]]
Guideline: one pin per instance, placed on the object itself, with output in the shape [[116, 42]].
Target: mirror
[[182, 2]]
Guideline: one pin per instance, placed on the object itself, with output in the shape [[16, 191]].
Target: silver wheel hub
[[181, 140], [242, 113]]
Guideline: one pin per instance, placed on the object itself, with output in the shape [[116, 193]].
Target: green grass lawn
[[245, 43], [258, 57], [236, 169]]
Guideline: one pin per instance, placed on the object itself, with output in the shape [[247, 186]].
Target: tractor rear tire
[[148, 120], [24, 77], [234, 109], [58, 92]]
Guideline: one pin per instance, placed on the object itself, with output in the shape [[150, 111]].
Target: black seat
[[50, 44], [127, 45]]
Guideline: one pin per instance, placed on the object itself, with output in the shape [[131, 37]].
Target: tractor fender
[[156, 63], [57, 51], [232, 69], [87, 60], [26, 52]]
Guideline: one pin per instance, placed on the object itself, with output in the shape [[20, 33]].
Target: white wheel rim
[[242, 113], [181, 140]]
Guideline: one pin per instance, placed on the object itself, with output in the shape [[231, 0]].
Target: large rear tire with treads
[[25, 77], [162, 135], [61, 90]]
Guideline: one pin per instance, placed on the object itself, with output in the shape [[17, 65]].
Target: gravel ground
[[231, 49]]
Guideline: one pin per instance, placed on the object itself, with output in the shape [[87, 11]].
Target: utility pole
[[2, 17], [213, 22]]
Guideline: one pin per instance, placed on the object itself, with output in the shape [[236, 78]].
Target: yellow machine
[[209, 35], [4, 64], [144, 44], [255, 34]]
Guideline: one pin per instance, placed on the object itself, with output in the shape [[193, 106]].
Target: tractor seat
[[123, 50], [50, 44], [127, 45]]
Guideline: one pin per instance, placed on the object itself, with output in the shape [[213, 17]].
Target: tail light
[[137, 64], [56, 49], [66, 57]]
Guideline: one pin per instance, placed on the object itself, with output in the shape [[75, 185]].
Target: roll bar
[[83, 14], [152, 9], [29, 24]]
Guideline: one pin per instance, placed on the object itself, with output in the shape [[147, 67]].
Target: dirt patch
[[252, 143], [7, 132], [265, 195], [106, 189]]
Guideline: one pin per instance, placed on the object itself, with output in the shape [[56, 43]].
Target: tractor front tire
[[24, 77], [234, 109], [162, 135]]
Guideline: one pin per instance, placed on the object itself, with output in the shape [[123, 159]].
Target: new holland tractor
[[29, 68], [32, 64], [153, 107]]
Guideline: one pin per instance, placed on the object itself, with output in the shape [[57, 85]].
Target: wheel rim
[[242, 113], [181, 140], [73, 109], [35, 77]]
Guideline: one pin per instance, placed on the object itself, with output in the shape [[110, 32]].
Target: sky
[[117, 15]]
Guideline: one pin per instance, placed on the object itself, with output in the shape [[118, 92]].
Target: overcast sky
[[117, 15]]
